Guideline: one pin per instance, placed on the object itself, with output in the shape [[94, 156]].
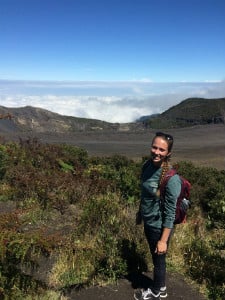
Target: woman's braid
[[165, 169]]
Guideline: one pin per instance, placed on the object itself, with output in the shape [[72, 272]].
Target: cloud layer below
[[108, 101]]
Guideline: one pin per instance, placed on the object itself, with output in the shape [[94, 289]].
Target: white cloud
[[111, 109], [108, 101]]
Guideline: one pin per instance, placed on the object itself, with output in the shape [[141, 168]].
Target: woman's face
[[159, 150]]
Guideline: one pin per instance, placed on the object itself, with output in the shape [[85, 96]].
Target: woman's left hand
[[161, 247]]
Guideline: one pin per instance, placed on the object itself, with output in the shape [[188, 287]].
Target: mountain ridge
[[189, 112]]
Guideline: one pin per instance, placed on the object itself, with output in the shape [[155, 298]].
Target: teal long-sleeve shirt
[[154, 213]]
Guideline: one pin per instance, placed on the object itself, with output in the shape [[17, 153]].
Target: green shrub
[[4, 158], [121, 171], [206, 265]]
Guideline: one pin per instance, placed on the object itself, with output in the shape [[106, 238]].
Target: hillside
[[30, 119], [192, 111]]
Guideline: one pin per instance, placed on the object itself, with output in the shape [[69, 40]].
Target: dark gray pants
[[153, 235]]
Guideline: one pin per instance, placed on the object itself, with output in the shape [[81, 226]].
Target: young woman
[[158, 216]]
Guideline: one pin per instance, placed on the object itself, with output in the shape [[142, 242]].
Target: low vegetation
[[68, 220]]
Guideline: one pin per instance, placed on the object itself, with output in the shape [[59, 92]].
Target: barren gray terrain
[[203, 145]]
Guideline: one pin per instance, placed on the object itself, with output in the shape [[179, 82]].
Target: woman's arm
[[172, 192], [173, 189]]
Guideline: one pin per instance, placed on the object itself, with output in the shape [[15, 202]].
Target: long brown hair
[[165, 168]]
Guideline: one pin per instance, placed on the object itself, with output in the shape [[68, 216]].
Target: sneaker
[[163, 292], [146, 295]]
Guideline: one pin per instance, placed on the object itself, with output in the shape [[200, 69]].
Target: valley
[[204, 145]]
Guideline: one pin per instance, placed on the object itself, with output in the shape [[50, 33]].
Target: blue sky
[[108, 50]]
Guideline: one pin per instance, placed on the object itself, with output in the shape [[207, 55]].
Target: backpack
[[183, 202]]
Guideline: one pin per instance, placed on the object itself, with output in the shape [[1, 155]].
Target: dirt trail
[[177, 289]]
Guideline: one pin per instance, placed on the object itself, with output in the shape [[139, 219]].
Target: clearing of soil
[[177, 288]]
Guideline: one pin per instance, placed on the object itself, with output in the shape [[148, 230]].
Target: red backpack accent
[[183, 202]]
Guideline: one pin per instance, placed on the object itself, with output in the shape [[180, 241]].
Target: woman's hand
[[161, 247]]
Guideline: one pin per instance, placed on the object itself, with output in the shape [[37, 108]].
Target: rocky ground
[[177, 289]]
